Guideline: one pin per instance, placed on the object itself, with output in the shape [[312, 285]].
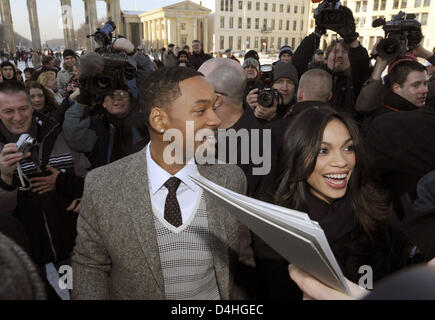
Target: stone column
[[195, 29], [34, 24], [8, 27], [114, 14], [153, 34], [161, 26], [205, 25], [149, 34], [166, 40], [177, 30], [91, 21], [68, 24]]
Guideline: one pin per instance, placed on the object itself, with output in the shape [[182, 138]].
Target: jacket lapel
[[218, 236], [139, 207]]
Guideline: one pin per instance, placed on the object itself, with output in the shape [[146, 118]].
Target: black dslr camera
[[113, 70], [328, 14], [267, 96], [402, 34]]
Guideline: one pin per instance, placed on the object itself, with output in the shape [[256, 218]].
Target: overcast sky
[[49, 14]]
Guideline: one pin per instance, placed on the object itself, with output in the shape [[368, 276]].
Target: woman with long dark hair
[[41, 99], [325, 172]]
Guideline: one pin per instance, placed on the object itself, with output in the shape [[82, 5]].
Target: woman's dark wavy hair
[[298, 157], [50, 102]]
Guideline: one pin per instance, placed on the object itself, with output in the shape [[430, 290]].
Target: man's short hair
[[333, 44], [316, 84], [12, 87], [29, 69], [226, 76], [162, 87], [400, 72], [196, 41], [47, 59]]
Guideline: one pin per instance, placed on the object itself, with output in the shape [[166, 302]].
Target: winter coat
[[196, 60], [51, 230]]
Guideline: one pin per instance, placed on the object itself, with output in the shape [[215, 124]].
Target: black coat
[[350, 244], [196, 60], [51, 230], [402, 146]]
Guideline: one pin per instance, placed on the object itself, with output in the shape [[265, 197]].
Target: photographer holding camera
[[273, 103], [407, 88], [40, 176], [346, 59], [114, 133]]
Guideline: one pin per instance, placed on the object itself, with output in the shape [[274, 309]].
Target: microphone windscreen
[[378, 22], [91, 64]]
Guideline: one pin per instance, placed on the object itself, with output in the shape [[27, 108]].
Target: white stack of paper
[[291, 233]]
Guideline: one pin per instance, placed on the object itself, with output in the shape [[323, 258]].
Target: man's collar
[[157, 176]]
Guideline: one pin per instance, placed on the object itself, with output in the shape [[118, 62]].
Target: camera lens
[[103, 83], [265, 99]]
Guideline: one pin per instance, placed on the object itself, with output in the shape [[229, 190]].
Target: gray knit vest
[[186, 258]]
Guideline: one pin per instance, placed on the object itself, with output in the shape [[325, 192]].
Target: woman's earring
[[162, 130]]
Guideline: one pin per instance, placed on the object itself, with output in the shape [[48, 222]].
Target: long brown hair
[[50, 102], [298, 157]]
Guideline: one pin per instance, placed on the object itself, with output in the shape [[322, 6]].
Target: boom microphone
[[92, 64]]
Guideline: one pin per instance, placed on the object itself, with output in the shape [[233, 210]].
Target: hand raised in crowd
[[421, 52], [381, 63], [266, 113], [252, 98], [74, 206], [45, 184], [123, 44], [313, 289], [9, 159], [73, 96]]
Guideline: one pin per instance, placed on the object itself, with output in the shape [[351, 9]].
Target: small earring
[[162, 130]]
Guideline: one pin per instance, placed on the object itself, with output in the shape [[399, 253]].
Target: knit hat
[[407, 57], [69, 53], [285, 49], [285, 70], [251, 62], [252, 54]]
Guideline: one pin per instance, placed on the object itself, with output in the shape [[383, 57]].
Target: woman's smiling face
[[335, 163]]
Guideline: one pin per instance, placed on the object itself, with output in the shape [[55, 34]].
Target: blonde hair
[[45, 76]]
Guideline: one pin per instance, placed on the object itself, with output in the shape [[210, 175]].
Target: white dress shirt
[[188, 193]]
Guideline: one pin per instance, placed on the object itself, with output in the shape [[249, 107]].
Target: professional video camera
[[107, 69], [328, 14], [402, 34]]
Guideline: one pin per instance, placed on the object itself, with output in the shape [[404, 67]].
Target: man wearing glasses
[[108, 136]]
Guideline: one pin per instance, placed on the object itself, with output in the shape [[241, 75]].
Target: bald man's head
[[226, 76], [315, 85]]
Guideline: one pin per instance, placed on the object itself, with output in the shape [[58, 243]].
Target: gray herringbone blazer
[[116, 254]]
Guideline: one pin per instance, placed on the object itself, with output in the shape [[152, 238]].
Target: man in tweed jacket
[[118, 254]]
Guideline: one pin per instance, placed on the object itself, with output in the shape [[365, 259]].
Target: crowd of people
[[352, 145]]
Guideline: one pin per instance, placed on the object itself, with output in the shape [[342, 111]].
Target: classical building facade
[[180, 24], [365, 12], [113, 13], [263, 25]]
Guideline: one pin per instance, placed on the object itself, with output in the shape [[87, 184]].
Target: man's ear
[[330, 96], [219, 101], [158, 120], [395, 88], [300, 95]]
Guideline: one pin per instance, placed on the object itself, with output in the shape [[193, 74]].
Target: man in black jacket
[[118, 131], [54, 177], [198, 57], [403, 150], [407, 85]]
